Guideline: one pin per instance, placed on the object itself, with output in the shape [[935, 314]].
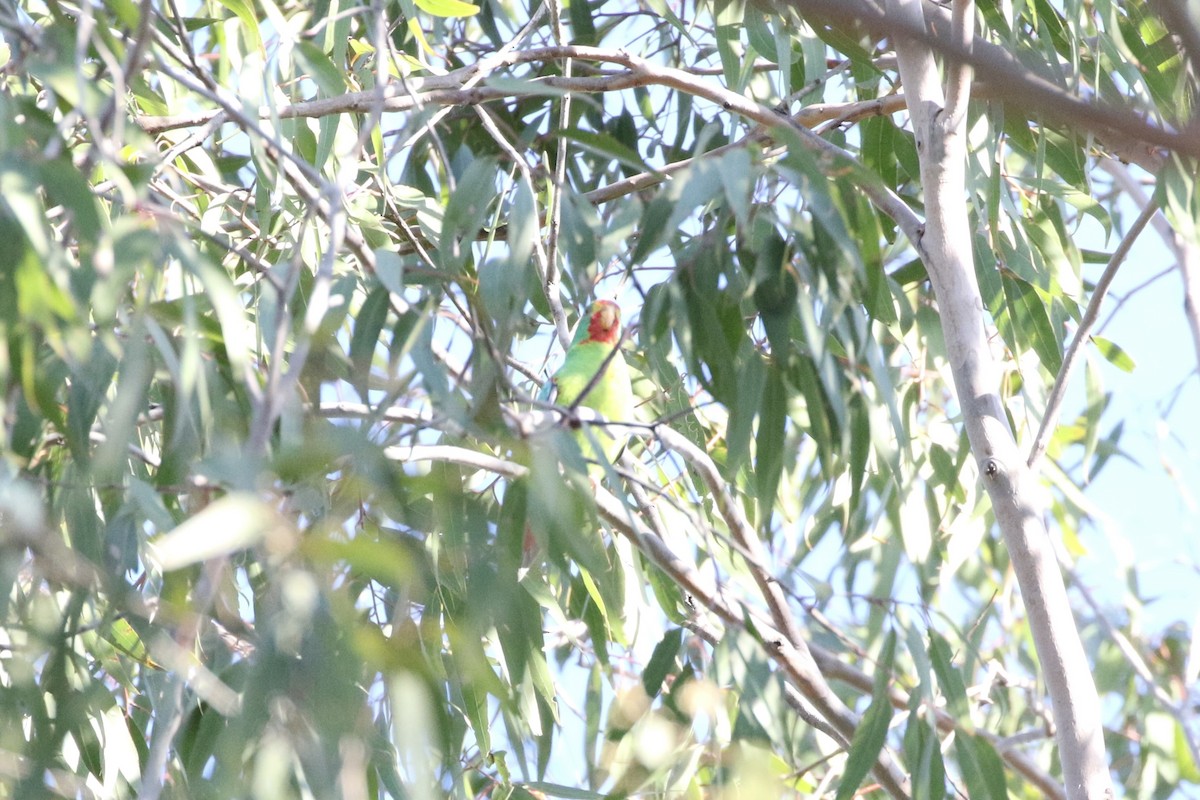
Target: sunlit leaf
[[1114, 354], [447, 8], [228, 525], [249, 20]]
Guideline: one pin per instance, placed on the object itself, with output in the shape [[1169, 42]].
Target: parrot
[[611, 394]]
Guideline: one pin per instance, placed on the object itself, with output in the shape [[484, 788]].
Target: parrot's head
[[604, 323]]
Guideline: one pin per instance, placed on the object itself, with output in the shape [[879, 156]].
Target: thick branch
[[1008, 80], [947, 253], [1124, 131], [958, 74]]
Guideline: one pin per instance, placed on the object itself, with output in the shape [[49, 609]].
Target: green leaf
[[447, 8], [121, 635], [368, 324], [981, 767], [1188, 769], [1114, 354], [607, 145], [949, 678], [800, 166], [879, 148], [1032, 321], [1154, 52], [662, 9], [65, 185], [1097, 401], [729, 27], [749, 383], [249, 20], [231, 524], [583, 29], [770, 445], [759, 35], [737, 179], [654, 225], [235, 334], [466, 211], [662, 661], [317, 65], [389, 269], [871, 733], [475, 705], [923, 754], [992, 767], [860, 448]]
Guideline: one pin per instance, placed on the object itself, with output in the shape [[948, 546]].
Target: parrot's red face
[[605, 323]]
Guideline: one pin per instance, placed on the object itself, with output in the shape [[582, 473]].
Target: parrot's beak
[[610, 317]]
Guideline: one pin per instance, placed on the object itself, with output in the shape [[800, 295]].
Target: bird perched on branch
[[595, 376]]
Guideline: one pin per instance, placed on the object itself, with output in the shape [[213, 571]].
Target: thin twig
[[132, 65], [552, 284], [812, 685], [541, 261], [1187, 252], [1135, 660], [710, 597], [1083, 334]]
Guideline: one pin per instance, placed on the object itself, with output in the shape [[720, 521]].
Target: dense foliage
[[283, 512]]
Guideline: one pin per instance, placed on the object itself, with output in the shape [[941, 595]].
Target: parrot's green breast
[[610, 396]]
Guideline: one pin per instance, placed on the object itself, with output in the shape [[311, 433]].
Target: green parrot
[[609, 395]]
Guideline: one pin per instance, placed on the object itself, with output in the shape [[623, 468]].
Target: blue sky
[[1151, 506]]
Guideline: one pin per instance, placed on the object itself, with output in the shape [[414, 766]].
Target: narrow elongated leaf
[[231, 524], [448, 8], [661, 662], [1032, 321], [249, 20], [1114, 354], [872, 730]]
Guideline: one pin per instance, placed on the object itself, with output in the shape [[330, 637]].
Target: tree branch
[[946, 249], [1187, 254], [793, 656], [959, 73], [547, 272], [811, 683], [550, 279], [1083, 335], [1177, 710], [1124, 131]]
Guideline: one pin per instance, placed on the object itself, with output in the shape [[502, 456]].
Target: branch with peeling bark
[[814, 687]]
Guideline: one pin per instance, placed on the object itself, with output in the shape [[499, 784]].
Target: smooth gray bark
[[946, 249]]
